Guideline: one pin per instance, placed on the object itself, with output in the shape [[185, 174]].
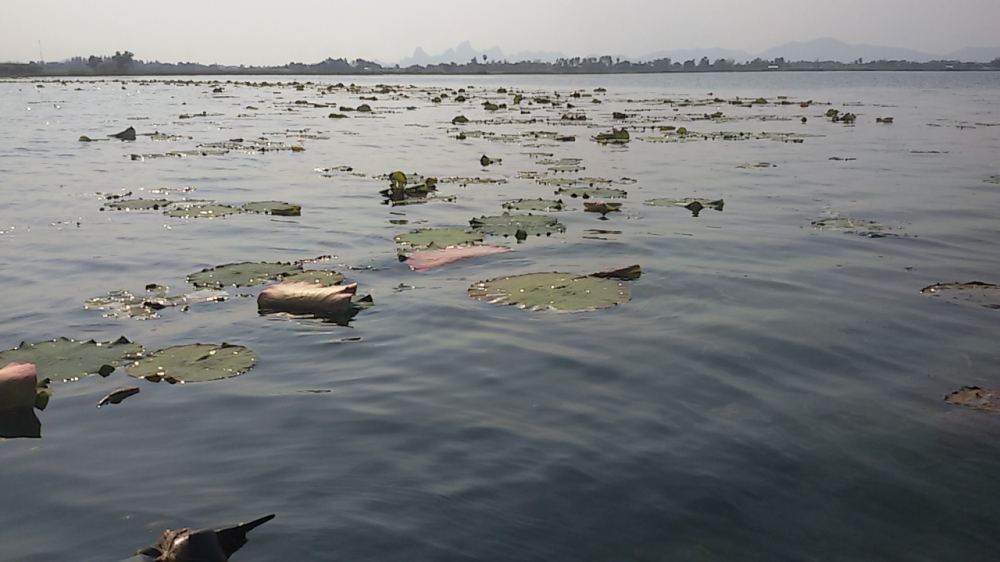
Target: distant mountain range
[[822, 49]]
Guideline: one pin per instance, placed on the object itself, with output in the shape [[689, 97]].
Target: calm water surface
[[772, 392]]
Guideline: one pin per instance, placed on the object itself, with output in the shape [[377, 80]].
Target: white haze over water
[[268, 32]]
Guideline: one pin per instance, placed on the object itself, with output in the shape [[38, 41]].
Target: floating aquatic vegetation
[[752, 165], [683, 135], [199, 362], [279, 208], [616, 136], [118, 395], [429, 238], [460, 120], [562, 164], [138, 204], [885, 120], [338, 303], [518, 226], [65, 360], [423, 260], [463, 181], [207, 545], [128, 134], [485, 160], [861, 227], [995, 179], [243, 274], [974, 292], [592, 192], [692, 204], [320, 277], [564, 292], [202, 211], [534, 205], [987, 400], [602, 207]]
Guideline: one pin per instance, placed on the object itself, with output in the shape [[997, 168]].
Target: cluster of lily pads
[[201, 208]]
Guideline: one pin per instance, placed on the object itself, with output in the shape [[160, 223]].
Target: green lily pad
[[426, 238], [279, 208], [693, 204], [202, 211], [199, 362], [139, 204], [563, 292], [68, 360], [534, 205], [595, 192], [520, 226], [324, 278], [243, 274], [616, 136]]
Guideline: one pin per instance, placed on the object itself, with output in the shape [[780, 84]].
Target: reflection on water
[[774, 389]]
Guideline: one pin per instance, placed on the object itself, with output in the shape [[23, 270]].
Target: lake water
[[773, 391]]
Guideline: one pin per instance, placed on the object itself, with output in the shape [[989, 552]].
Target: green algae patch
[[199, 362], [66, 359], [563, 292]]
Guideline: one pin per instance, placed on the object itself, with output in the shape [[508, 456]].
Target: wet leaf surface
[[199, 362], [242, 274], [562, 292], [437, 238], [66, 360], [519, 226]]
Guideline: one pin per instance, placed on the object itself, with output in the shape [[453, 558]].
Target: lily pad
[[68, 360], [427, 238], [974, 292], [563, 292], [534, 205], [243, 274], [976, 398], [588, 192], [139, 204], [321, 277], [616, 136], [199, 362], [692, 204], [519, 226], [202, 211], [279, 208]]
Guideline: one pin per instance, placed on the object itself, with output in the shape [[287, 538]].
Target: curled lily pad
[[279, 208], [426, 238], [199, 362], [424, 260], [68, 360], [563, 292], [975, 292], [534, 205], [202, 211], [588, 192], [520, 226], [243, 274], [976, 398], [139, 204]]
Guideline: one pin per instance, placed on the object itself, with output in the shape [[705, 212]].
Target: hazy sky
[[270, 31]]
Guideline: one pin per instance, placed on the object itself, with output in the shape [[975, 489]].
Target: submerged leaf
[[64, 359], [199, 362]]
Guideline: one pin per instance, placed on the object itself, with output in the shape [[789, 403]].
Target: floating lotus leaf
[[436, 238], [273, 208], [861, 227], [975, 398], [616, 136], [243, 274], [323, 278], [563, 292], [974, 292], [67, 360], [121, 303], [534, 205], [202, 211], [588, 192], [603, 207], [139, 204], [520, 226], [692, 204], [199, 362]]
